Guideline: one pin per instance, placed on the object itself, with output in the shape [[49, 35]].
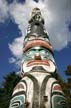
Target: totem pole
[[38, 87]]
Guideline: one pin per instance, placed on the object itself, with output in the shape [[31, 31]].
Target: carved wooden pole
[[38, 87]]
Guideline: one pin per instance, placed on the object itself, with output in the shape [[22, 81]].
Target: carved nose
[[37, 57]]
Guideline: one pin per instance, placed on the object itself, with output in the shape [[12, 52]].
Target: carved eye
[[62, 103], [15, 104], [42, 51], [31, 52]]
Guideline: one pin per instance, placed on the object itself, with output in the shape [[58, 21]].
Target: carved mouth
[[38, 62]]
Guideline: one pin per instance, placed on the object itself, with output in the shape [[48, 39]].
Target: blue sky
[[13, 23]]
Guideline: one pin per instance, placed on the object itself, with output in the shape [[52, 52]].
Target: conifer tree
[[10, 81]]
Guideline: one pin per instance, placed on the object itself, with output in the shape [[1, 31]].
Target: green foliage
[[10, 81], [68, 70], [66, 86]]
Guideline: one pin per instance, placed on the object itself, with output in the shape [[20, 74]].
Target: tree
[[10, 81], [68, 85]]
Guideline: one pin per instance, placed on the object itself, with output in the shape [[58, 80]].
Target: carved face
[[38, 56], [36, 11]]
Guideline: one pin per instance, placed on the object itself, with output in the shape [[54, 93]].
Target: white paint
[[20, 89], [48, 91], [17, 90], [50, 68], [29, 90], [39, 76]]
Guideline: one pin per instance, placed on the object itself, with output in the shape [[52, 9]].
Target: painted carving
[[38, 87], [38, 56], [58, 101], [17, 102]]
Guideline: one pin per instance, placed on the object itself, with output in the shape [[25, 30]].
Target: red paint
[[37, 42], [38, 62], [57, 87]]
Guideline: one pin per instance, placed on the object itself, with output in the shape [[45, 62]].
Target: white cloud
[[60, 13], [12, 60], [56, 14], [16, 47], [3, 10]]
